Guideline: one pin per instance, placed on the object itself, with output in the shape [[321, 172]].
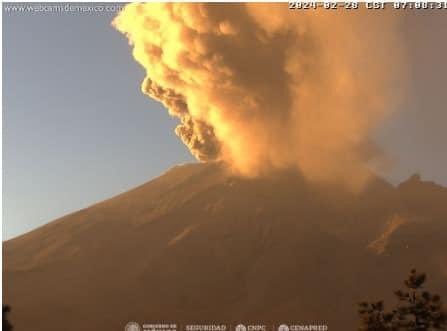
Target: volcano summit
[[200, 245]]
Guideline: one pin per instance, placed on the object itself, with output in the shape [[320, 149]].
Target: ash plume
[[262, 87]]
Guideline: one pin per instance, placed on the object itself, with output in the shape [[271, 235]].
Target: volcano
[[199, 245]]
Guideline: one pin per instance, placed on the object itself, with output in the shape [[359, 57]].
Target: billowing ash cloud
[[263, 87]]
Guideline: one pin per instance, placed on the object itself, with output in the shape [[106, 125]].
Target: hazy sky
[[77, 129]]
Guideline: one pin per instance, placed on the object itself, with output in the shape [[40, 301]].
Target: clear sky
[[77, 129]]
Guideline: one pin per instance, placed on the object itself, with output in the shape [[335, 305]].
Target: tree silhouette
[[6, 325], [417, 310]]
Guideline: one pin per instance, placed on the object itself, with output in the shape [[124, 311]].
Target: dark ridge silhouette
[[6, 326], [197, 244]]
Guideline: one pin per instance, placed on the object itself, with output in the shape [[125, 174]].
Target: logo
[[241, 327], [132, 326], [283, 327]]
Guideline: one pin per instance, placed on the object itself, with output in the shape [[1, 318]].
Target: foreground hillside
[[197, 245]]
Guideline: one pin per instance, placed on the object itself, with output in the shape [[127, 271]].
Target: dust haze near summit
[[262, 87]]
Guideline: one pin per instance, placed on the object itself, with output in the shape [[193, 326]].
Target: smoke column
[[262, 87]]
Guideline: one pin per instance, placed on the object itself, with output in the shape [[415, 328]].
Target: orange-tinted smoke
[[262, 87]]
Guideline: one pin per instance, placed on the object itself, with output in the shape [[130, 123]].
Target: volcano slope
[[198, 245]]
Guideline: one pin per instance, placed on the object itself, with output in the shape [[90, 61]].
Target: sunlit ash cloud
[[262, 87]]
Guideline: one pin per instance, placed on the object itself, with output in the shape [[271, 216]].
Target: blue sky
[[77, 129]]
